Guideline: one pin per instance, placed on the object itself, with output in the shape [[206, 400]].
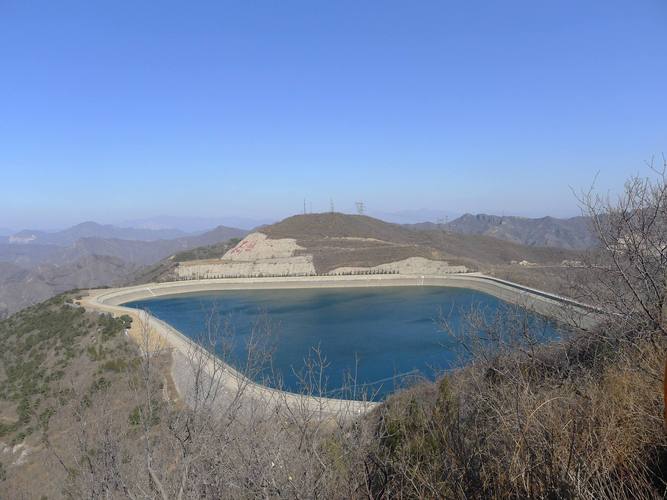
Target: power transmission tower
[[442, 224], [331, 205], [360, 207]]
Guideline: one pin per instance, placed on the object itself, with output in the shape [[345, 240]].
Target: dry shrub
[[576, 418], [572, 419]]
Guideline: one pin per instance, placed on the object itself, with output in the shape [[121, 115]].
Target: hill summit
[[337, 225], [336, 243]]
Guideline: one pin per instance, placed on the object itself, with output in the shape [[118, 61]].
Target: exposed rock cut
[[255, 255]]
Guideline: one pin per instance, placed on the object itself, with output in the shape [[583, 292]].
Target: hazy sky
[[113, 110]]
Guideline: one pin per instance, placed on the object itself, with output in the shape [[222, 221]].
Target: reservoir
[[375, 339]]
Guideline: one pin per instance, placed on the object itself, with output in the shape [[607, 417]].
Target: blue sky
[[115, 110]]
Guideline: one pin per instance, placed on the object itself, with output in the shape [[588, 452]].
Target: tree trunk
[[664, 305], [664, 393], [664, 328]]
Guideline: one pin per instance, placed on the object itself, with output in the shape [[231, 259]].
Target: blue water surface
[[381, 338]]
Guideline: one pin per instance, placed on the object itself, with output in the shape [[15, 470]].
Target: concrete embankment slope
[[554, 306], [112, 300]]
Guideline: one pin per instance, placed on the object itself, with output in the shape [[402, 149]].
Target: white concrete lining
[[111, 300]]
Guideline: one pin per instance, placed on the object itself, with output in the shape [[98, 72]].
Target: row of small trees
[[360, 272]]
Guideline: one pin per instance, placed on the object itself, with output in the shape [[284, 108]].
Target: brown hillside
[[330, 238]]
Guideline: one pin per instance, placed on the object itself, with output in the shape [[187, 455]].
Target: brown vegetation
[[581, 419], [337, 240]]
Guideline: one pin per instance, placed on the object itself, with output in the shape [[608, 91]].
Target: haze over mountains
[[195, 224], [35, 265], [138, 246], [92, 230]]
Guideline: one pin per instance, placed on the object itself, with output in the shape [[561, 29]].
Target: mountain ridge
[[193, 224], [91, 229], [34, 272], [573, 233]]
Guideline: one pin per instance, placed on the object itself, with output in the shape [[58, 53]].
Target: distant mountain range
[[68, 236], [149, 252], [89, 238], [35, 265], [415, 216], [195, 224], [574, 233]]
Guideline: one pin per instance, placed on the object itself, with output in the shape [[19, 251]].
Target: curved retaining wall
[[111, 300]]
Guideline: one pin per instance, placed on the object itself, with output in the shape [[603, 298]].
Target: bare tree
[[627, 273], [226, 436]]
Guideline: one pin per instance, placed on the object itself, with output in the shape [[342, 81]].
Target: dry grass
[[581, 419]]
